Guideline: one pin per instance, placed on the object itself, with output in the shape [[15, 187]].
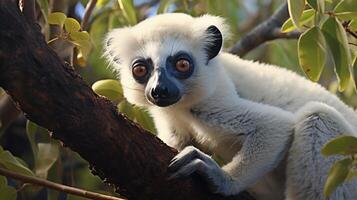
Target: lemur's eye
[[140, 70], [183, 65]]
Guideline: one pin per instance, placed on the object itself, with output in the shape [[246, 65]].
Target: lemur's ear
[[214, 42]]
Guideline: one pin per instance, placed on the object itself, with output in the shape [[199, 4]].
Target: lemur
[[266, 123]]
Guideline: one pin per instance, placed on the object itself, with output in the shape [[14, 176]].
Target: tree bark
[[54, 96]]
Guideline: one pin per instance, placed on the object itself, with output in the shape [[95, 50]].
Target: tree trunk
[[55, 97]]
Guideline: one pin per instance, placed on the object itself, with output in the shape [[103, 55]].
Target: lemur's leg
[[307, 169]]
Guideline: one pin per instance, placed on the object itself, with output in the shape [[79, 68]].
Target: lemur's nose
[[159, 92]]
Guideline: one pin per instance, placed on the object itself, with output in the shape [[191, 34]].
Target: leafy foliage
[[342, 170], [330, 22]]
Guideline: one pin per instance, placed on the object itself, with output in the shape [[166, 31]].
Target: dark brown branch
[[54, 96], [55, 186], [266, 31], [87, 13]]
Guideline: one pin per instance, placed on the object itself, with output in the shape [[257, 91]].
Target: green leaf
[[352, 173], [318, 5], [101, 3], [9, 161], [127, 109], [312, 53], [144, 119], [296, 8], [79, 36], [109, 88], [354, 67], [47, 156], [164, 5], [127, 6], [44, 7], [57, 18], [353, 25], [71, 25], [342, 145], [338, 47], [337, 175], [31, 129], [6, 192], [84, 47], [346, 10], [306, 16]]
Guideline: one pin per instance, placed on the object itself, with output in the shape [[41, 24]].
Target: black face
[[163, 89]]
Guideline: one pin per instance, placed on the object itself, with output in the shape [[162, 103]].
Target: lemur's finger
[[187, 155], [191, 167]]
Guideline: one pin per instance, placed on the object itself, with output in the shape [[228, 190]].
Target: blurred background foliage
[[46, 158]]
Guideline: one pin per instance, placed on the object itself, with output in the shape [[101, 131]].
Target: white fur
[[266, 123]]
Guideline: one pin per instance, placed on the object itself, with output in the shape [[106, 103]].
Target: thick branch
[[55, 97], [266, 31], [55, 186]]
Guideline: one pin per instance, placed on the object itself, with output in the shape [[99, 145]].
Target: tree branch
[[87, 13], [55, 97], [266, 31], [55, 186]]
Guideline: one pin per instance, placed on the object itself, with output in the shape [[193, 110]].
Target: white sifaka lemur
[[265, 123]]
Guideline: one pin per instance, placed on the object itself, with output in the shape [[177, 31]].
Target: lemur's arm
[[267, 131], [177, 137]]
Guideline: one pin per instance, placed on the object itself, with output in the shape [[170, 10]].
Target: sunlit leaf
[[352, 173], [164, 5], [9, 161], [101, 3], [79, 36], [353, 25], [338, 47], [84, 47], [343, 145], [312, 52], [354, 67], [44, 7], [31, 129], [337, 175], [296, 8], [7, 192], [318, 5], [306, 16], [346, 10], [71, 25], [109, 88], [57, 18], [47, 156], [144, 119], [127, 6], [127, 109]]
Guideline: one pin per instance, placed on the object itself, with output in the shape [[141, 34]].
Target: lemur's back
[[279, 87]]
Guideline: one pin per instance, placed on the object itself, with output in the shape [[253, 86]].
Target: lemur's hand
[[191, 160]]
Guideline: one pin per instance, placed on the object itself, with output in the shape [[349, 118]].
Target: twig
[[29, 10], [266, 31], [87, 13], [48, 184]]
